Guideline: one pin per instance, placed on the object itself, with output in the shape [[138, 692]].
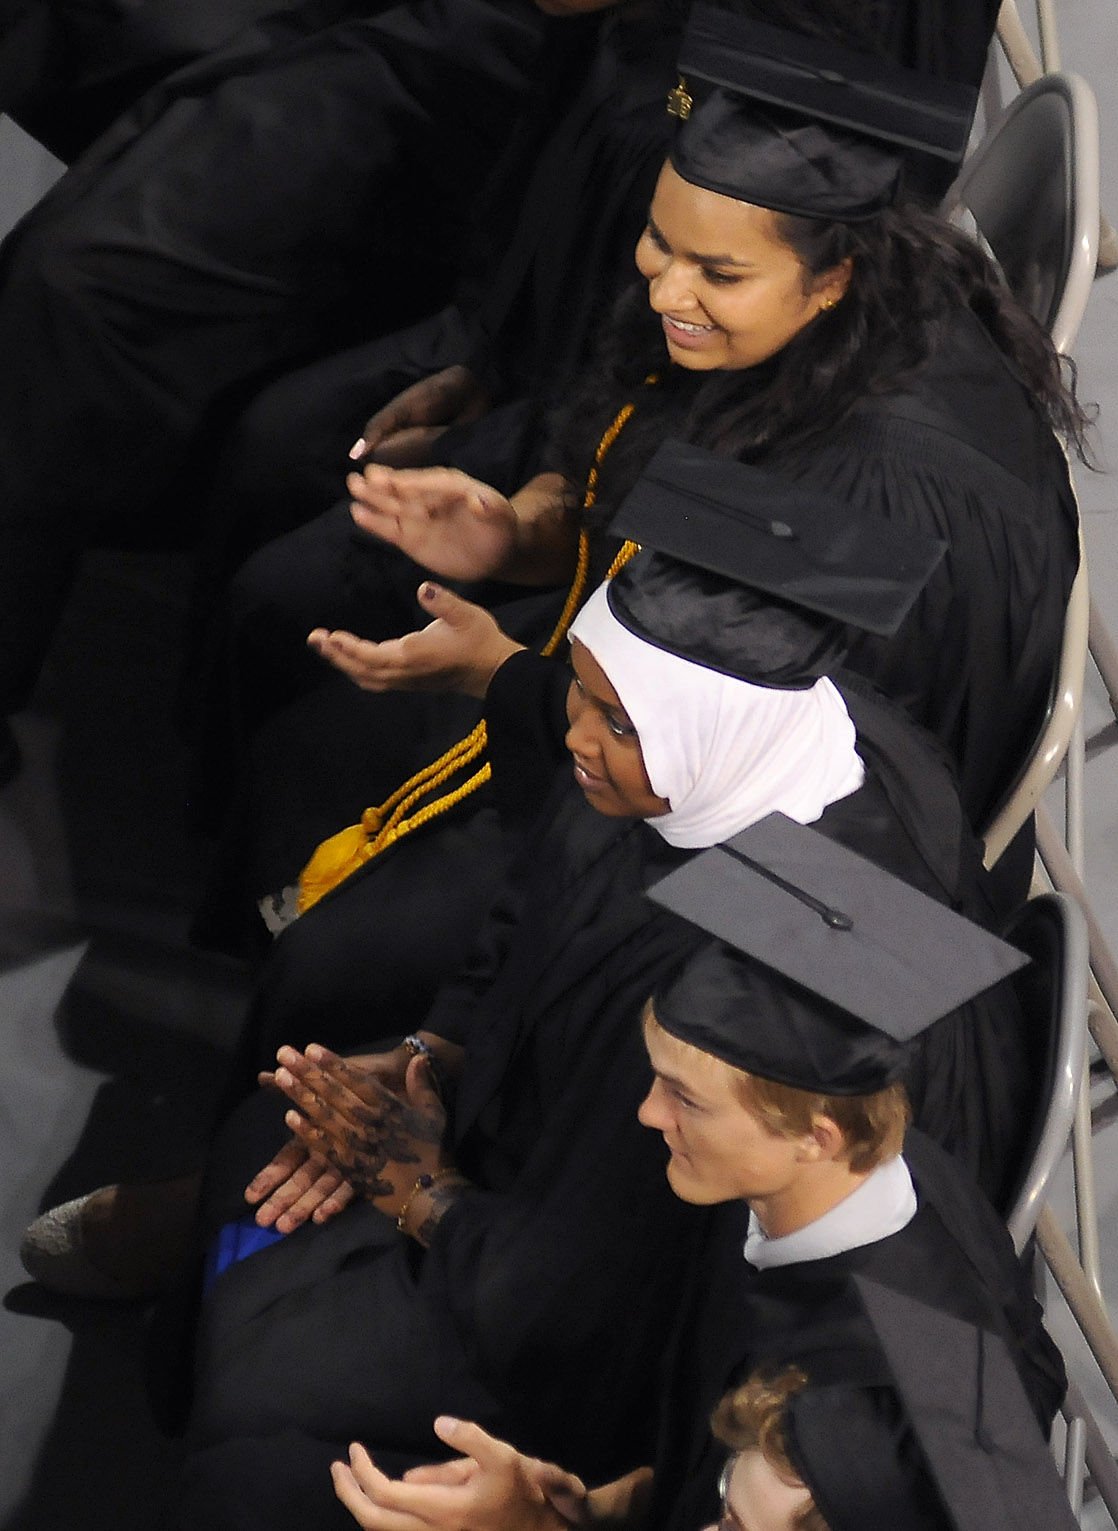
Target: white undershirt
[[883, 1204]]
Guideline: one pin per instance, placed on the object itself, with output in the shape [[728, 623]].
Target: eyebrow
[[699, 259], [678, 1084], [600, 702]]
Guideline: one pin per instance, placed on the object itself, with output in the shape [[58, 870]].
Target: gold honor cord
[[344, 853]]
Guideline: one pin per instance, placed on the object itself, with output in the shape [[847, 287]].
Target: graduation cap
[[801, 124], [825, 967], [982, 1463], [752, 574]]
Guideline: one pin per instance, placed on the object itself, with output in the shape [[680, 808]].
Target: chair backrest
[[1031, 189], [1053, 994], [1055, 732]]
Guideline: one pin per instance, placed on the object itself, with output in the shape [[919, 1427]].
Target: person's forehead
[[709, 215], [758, 1498], [593, 678]]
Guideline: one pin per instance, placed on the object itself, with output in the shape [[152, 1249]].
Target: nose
[[670, 290], [650, 1112], [580, 737]]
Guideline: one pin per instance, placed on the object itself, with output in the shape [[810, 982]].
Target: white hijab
[[722, 751]]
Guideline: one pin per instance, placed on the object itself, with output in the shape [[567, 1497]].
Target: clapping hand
[[492, 1487], [378, 1141], [448, 522], [460, 649]]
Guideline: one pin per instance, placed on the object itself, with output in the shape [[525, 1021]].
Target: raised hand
[[461, 649], [448, 522], [404, 432]]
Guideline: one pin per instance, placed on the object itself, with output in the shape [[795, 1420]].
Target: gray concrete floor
[[101, 1005]]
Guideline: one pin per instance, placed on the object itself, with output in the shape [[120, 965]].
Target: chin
[[688, 1187], [694, 361]]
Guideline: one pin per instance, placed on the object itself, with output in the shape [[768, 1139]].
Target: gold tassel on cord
[[346, 852]]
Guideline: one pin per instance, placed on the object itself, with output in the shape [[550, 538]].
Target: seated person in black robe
[[531, 1251], [519, 329], [887, 422], [291, 188], [68, 68], [782, 1113]]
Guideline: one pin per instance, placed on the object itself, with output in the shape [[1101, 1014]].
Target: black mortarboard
[[740, 564], [825, 966], [803, 125], [981, 1462]]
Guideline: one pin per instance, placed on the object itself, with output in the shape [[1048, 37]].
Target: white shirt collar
[[883, 1204]]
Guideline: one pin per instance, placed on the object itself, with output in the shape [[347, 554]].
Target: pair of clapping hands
[[366, 1127], [451, 524], [490, 1487]]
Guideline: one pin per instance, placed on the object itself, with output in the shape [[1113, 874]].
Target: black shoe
[[10, 757]]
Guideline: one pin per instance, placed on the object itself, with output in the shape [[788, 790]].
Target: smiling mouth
[[587, 780], [688, 329]]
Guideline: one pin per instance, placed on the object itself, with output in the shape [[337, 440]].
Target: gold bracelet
[[424, 1183]]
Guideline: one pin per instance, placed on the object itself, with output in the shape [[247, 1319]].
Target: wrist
[[428, 1201], [502, 649]]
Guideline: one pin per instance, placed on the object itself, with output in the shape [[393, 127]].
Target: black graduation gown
[[518, 1301], [67, 69], [549, 1276], [963, 455], [552, 246], [235, 222], [955, 1255]]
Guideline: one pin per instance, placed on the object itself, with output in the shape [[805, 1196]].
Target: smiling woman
[[609, 766], [729, 289]]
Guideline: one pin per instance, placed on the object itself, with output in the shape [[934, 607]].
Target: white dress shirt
[[883, 1204]]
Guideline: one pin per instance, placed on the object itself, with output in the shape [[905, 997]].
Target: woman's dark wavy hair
[[912, 273]]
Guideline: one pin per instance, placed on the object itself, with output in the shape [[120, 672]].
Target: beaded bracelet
[[424, 1183]]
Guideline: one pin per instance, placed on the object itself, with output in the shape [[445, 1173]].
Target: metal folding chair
[[1030, 191], [1027, 69], [1053, 991], [1052, 930], [1057, 730]]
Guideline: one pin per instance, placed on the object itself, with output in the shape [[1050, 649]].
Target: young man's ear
[[825, 1142]]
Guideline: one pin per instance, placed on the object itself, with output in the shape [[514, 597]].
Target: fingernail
[[314, 1053], [292, 1118], [282, 1076], [447, 1424], [358, 448], [429, 591]]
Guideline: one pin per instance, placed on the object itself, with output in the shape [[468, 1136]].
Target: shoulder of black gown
[[907, 817], [963, 455]]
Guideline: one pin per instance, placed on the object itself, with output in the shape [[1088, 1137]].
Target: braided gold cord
[[389, 822]]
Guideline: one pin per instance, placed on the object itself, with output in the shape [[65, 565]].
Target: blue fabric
[[235, 1241]]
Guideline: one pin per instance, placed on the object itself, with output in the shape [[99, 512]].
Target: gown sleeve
[[569, 1265]]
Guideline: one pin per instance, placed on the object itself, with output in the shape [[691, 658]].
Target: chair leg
[[1049, 38], [1103, 1469], [1104, 652], [1104, 968], [1088, 1312]]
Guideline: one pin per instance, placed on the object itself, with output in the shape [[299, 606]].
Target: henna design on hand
[[363, 1127]]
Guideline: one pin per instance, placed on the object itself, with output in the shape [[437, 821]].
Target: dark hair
[[912, 275]]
